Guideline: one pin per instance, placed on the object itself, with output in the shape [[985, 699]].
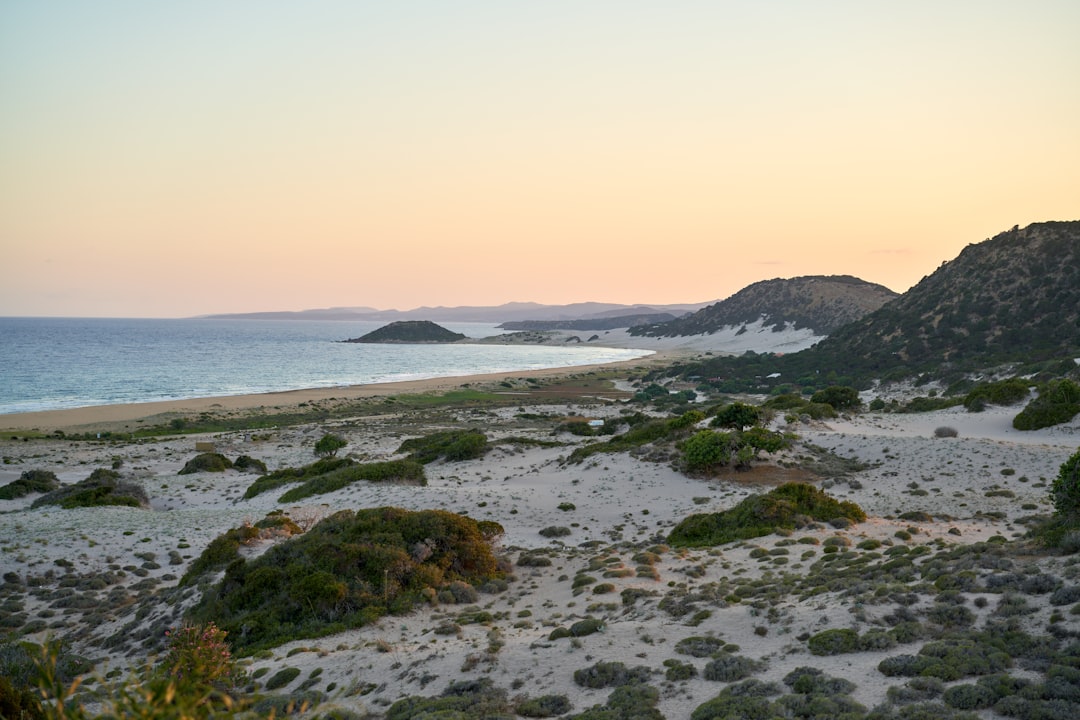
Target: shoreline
[[109, 417]]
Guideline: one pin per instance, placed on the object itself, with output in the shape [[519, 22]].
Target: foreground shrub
[[198, 654], [347, 571], [31, 481], [635, 701], [786, 507]]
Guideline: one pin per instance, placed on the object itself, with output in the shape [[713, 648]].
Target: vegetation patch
[[103, 487], [31, 481], [787, 507], [206, 462], [392, 471], [451, 445], [347, 571]]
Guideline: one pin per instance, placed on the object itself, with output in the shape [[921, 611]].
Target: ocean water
[[52, 363]]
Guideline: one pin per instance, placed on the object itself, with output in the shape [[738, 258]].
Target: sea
[[55, 363]]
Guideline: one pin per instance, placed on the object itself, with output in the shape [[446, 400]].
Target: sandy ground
[[621, 505]]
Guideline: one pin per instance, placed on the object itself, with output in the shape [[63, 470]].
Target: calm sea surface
[[51, 363]]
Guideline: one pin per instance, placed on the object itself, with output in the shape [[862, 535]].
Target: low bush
[[1058, 402], [406, 472], [786, 507], [246, 463], [834, 642], [31, 481], [346, 571], [555, 531], [544, 706], [461, 699], [289, 475], [103, 487], [451, 445], [969, 697], [206, 462], [725, 667], [611, 674]]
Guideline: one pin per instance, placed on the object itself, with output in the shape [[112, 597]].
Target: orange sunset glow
[[174, 159]]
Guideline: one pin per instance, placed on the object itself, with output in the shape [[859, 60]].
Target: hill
[[1012, 298], [409, 331], [818, 302]]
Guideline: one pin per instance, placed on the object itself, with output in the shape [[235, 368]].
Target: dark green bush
[[31, 481], [1065, 490], [969, 697], [329, 444], [611, 674], [453, 445], [834, 642], [699, 647], [407, 472], [206, 462], [758, 515], [555, 531], [346, 571], [544, 706], [841, 398], [1058, 402], [103, 487], [246, 463], [1002, 392], [290, 475], [678, 670], [460, 700], [725, 667]]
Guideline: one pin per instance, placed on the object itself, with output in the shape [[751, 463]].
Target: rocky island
[[409, 331]]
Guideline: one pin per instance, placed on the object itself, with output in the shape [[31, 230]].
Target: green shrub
[[289, 475], [839, 397], [246, 463], [1058, 402], [555, 531], [610, 674], [346, 571], [678, 670], [969, 697], [544, 706], [699, 647], [1065, 489], [453, 445], [282, 677], [329, 444], [588, 626], [1002, 392], [834, 642], [31, 481], [103, 487], [758, 515], [206, 462], [725, 667], [405, 472]]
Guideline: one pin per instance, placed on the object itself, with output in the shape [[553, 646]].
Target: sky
[[177, 159]]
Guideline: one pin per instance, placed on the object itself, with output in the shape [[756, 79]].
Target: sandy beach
[[973, 488]]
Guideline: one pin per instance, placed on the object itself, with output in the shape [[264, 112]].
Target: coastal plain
[[761, 601]]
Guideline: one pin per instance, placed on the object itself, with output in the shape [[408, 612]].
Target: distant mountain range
[[509, 312]]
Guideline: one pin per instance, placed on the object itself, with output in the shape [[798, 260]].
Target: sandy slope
[[622, 503]]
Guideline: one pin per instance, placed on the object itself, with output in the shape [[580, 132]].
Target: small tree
[[737, 416], [1065, 490], [839, 396], [329, 444]]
